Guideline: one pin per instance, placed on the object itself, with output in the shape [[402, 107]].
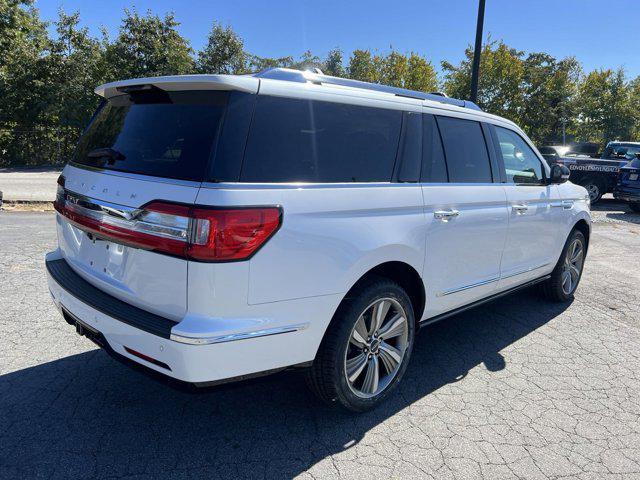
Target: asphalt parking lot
[[517, 388]]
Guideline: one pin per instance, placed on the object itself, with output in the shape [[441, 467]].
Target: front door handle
[[445, 215], [520, 209]]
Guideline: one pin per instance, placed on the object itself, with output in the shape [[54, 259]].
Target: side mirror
[[559, 174]]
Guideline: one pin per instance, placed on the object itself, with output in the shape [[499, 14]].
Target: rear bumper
[[145, 339]]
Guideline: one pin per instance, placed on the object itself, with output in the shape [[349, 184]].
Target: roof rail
[[299, 76]]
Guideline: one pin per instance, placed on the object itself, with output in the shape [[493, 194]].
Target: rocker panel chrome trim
[[467, 287]]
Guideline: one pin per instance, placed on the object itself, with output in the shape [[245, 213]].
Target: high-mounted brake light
[[193, 232]]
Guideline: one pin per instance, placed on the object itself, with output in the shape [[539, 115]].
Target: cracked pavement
[[519, 388]]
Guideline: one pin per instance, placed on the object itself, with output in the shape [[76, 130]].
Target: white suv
[[215, 227]]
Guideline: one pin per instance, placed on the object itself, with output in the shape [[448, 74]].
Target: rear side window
[[153, 132], [295, 140], [465, 150]]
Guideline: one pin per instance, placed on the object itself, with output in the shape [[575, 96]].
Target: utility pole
[[475, 69]]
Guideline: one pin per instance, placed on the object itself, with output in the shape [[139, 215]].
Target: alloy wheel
[[376, 348], [593, 190], [572, 266]]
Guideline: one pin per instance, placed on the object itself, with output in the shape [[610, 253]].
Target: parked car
[[597, 175], [553, 152], [621, 150], [628, 187], [215, 227]]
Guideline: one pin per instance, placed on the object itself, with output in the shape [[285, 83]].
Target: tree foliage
[[224, 52], [501, 79], [334, 63], [606, 106], [149, 46], [549, 95], [48, 74]]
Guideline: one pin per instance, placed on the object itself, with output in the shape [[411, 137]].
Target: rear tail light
[[191, 232]]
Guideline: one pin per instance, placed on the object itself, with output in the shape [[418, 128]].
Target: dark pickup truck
[[597, 175]]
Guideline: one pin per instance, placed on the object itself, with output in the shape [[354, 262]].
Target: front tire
[[568, 272], [366, 349]]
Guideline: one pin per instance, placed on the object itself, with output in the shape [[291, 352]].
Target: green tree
[[549, 89], [77, 66], [224, 52], [364, 67], [605, 107], [307, 61], [257, 64], [149, 46], [421, 75], [635, 107], [393, 69], [333, 64], [500, 84], [24, 77]]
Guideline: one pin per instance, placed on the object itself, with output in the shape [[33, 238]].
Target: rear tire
[[566, 276], [366, 348], [635, 206], [595, 188]]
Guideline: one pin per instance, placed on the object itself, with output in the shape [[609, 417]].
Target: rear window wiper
[[109, 153]]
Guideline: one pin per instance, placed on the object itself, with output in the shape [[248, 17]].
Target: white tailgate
[[151, 281]]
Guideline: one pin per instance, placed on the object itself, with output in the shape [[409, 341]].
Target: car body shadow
[[86, 415], [630, 217]]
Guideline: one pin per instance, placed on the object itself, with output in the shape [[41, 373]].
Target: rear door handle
[[446, 215], [520, 209]]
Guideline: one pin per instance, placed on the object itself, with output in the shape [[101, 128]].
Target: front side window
[[296, 140], [465, 150], [520, 162]]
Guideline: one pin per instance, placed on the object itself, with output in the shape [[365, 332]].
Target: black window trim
[[402, 145], [210, 171], [503, 170], [490, 141], [434, 122]]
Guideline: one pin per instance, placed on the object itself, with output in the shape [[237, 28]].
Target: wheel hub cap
[[376, 347], [572, 266]]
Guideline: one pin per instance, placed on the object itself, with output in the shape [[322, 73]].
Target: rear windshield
[[153, 132]]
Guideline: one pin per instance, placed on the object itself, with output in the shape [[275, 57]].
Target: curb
[[25, 202], [25, 205]]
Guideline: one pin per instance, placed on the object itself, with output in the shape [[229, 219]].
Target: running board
[[477, 303]]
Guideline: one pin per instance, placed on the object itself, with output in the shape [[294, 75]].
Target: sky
[[599, 33]]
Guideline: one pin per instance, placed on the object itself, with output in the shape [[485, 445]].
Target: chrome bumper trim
[[232, 337]]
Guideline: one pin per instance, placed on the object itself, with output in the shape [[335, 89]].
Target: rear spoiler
[[183, 82]]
